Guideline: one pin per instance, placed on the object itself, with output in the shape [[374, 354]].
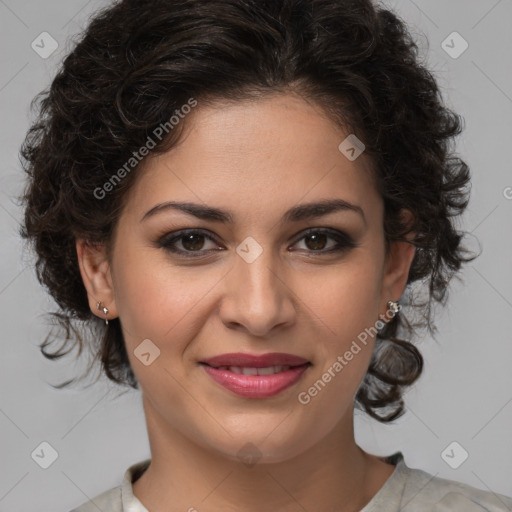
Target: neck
[[334, 474]]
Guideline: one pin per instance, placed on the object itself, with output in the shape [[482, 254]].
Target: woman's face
[[261, 284]]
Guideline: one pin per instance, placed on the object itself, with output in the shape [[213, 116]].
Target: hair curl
[[138, 62]]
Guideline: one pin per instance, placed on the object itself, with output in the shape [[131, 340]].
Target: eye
[[315, 240], [193, 241]]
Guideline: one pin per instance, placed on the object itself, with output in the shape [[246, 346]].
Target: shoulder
[[424, 491], [120, 498], [109, 500]]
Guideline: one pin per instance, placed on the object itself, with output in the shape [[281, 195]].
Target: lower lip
[[256, 386]]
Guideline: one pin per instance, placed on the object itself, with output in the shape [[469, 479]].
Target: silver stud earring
[[104, 309], [394, 306]]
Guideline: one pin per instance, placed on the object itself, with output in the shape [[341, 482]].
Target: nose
[[257, 297]]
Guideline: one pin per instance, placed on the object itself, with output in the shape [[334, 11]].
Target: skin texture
[[256, 159]]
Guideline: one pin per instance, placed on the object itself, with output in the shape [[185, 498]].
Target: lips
[[256, 385], [256, 376], [241, 360]]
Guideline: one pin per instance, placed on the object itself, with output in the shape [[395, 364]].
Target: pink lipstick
[[256, 376]]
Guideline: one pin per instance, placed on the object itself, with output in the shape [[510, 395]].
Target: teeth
[[246, 371], [269, 370]]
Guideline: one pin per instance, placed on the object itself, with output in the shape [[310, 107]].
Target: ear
[[95, 271], [397, 264]]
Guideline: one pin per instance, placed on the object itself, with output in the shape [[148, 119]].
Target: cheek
[[156, 299], [344, 309], [346, 299]]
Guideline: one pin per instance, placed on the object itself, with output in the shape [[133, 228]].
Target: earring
[[394, 306], [104, 309]]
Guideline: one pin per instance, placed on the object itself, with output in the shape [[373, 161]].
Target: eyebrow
[[295, 214]]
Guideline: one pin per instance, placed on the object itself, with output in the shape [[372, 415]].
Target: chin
[[272, 449]]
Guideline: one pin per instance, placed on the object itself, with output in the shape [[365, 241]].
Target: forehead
[[255, 156]]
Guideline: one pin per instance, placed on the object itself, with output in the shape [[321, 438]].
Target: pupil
[[317, 245], [188, 239]]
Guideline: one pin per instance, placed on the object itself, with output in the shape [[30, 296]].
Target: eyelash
[[344, 242]]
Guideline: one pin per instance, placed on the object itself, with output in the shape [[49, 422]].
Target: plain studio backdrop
[[465, 393]]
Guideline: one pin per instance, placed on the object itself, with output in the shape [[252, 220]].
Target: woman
[[242, 191]]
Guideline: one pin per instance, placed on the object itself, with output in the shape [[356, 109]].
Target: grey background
[[465, 393]]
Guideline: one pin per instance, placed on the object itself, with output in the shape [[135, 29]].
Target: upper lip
[[255, 361]]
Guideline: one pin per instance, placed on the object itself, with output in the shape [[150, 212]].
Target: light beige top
[[406, 490]]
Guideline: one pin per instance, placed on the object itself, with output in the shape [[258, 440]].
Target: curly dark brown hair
[[138, 62]]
